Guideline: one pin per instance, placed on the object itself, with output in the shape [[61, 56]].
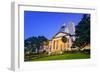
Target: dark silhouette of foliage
[[34, 43], [64, 40], [83, 32]]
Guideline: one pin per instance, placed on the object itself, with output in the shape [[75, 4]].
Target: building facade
[[56, 45]]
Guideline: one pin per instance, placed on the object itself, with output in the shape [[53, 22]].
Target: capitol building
[[56, 45]]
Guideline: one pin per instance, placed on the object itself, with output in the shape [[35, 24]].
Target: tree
[[64, 40], [30, 44], [83, 32], [46, 42], [34, 43], [40, 43]]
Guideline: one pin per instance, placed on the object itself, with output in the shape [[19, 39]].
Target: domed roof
[[71, 27], [64, 28]]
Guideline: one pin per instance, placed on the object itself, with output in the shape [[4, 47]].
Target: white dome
[[71, 27], [64, 28]]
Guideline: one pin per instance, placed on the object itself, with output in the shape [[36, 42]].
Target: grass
[[65, 56]]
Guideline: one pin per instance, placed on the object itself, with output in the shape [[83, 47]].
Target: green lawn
[[65, 56]]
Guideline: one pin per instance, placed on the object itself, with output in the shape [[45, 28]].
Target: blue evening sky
[[47, 23]]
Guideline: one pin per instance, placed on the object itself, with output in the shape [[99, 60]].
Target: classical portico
[[57, 45]]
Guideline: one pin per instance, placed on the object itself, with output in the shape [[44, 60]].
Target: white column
[[52, 45], [55, 44]]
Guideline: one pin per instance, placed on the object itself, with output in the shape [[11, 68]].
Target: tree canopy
[[34, 43], [64, 39], [83, 31]]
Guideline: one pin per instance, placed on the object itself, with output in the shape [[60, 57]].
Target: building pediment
[[60, 34]]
